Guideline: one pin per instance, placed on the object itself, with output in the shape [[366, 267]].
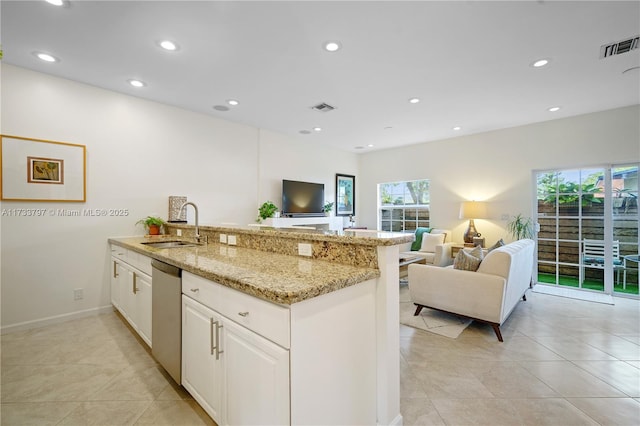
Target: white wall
[[497, 166], [138, 154]]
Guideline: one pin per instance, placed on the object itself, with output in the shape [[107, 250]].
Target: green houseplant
[[152, 224], [328, 207], [266, 210], [520, 227]]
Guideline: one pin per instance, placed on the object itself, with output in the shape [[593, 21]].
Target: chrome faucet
[[197, 226]]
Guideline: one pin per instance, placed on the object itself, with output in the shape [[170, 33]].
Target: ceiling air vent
[[618, 47], [323, 107]]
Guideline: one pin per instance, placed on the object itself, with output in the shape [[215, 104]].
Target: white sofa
[[488, 295], [438, 255]]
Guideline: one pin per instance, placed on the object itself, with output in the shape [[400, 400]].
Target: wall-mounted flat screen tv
[[302, 198]]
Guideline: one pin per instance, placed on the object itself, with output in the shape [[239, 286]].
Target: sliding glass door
[[588, 236]]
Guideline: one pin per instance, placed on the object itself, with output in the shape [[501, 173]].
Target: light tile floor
[[90, 371], [563, 362]]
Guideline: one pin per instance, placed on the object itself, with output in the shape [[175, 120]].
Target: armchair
[[434, 246]]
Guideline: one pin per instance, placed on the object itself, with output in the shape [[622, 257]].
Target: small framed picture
[[345, 195], [45, 170]]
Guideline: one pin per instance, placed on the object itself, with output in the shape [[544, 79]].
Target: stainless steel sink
[[169, 244]]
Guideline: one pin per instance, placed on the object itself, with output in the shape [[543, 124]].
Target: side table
[[404, 262]]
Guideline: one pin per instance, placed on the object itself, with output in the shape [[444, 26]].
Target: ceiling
[[469, 62]]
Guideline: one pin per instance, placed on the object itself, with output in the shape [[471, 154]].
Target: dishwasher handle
[[166, 268]]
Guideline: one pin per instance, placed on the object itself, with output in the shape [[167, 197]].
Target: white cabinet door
[[135, 298], [127, 295], [116, 273], [143, 306], [201, 371], [256, 384]]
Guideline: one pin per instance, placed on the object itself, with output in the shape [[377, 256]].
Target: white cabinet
[[237, 376], [116, 274], [256, 381], [202, 373], [131, 288]]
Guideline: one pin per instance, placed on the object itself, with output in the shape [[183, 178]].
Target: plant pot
[[154, 230]]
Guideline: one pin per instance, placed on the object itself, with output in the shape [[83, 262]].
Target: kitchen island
[[328, 322]]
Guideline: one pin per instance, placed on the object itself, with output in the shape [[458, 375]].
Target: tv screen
[[302, 198]]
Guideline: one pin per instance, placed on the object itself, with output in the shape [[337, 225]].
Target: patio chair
[[593, 257]]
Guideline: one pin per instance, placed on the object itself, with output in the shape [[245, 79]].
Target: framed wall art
[[345, 195], [42, 170]]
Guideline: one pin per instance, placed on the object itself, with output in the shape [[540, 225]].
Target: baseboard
[[571, 293], [397, 421], [28, 325]]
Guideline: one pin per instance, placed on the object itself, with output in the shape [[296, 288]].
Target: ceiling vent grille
[[618, 47], [323, 107]]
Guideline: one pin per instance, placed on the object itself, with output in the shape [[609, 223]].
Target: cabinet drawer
[[139, 261], [264, 318], [200, 289], [119, 252]]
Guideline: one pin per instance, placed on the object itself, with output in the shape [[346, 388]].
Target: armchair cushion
[[430, 241], [417, 243]]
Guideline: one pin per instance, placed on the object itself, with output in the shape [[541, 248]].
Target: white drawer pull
[[195, 290], [243, 314]]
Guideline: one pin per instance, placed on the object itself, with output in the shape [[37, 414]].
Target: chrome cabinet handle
[[135, 283], [195, 290], [218, 351], [243, 314], [115, 269], [211, 323]]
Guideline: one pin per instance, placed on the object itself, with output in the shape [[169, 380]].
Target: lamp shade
[[473, 210]]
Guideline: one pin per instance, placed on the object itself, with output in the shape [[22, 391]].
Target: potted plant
[[152, 224], [520, 227], [266, 210], [328, 208]]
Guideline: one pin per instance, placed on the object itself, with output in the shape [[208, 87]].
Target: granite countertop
[[274, 277]]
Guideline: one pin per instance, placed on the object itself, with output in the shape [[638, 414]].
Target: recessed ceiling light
[[554, 109], [55, 2], [332, 46], [46, 57], [540, 63], [317, 129], [370, 145], [414, 100], [168, 45], [457, 128], [233, 102], [137, 83]]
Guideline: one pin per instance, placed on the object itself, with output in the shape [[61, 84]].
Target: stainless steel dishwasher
[[166, 322]]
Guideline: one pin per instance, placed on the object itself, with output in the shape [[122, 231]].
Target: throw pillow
[[430, 241], [417, 243], [498, 243], [468, 260]]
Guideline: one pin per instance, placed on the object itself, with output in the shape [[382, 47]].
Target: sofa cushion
[[498, 243], [468, 260], [430, 241], [441, 231], [417, 243]]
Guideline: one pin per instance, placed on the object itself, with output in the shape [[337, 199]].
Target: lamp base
[[470, 233]]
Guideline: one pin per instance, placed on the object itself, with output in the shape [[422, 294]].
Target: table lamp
[[472, 210]]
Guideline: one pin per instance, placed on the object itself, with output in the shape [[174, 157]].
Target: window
[[403, 206], [580, 208]]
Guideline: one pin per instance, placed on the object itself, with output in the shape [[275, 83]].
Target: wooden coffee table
[[405, 261]]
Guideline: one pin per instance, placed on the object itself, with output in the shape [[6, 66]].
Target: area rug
[[430, 320]]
